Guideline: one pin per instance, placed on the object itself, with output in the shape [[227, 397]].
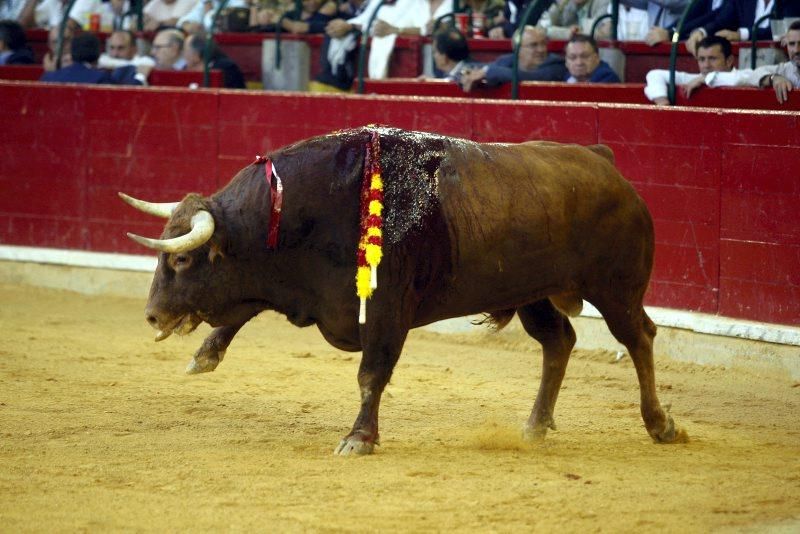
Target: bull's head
[[179, 295]]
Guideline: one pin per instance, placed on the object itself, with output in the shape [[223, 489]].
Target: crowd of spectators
[[180, 29]]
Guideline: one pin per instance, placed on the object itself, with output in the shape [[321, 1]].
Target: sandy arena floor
[[100, 430]]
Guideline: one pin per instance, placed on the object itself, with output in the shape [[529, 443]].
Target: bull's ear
[[215, 250]]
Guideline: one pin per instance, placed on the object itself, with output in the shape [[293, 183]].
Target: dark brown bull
[[527, 228]]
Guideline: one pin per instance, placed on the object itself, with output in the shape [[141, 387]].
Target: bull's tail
[[496, 320]]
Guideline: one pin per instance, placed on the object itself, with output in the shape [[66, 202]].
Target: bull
[[529, 229]]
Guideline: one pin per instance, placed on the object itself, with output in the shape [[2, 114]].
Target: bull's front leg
[[382, 342], [212, 351]]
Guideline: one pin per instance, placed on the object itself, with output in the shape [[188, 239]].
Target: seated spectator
[[49, 61], [49, 13], [265, 14], [339, 48], [121, 45], [167, 50], [165, 13], [14, 48], [85, 52], [565, 18], [199, 18], [534, 63], [584, 63], [782, 78], [735, 20], [492, 11], [450, 54], [313, 17], [714, 54], [632, 24], [193, 51]]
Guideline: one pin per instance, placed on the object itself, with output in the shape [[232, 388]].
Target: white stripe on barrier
[[697, 322]]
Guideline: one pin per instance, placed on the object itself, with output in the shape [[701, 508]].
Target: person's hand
[[731, 35], [338, 28], [49, 62], [782, 87], [574, 29], [691, 43], [497, 33], [295, 26], [470, 77], [693, 85], [656, 35], [382, 29], [661, 101], [144, 69]]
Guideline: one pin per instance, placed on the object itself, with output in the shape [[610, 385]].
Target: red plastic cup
[[462, 22], [478, 22], [94, 22]]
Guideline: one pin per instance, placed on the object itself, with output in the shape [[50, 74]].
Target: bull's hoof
[[538, 431], [671, 434], [204, 362], [355, 444]]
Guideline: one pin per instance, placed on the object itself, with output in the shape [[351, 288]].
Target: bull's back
[[532, 219]]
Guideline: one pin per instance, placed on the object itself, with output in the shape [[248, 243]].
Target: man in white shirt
[[714, 55], [121, 46]]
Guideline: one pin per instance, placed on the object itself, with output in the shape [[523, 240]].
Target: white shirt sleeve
[[658, 82], [739, 78]]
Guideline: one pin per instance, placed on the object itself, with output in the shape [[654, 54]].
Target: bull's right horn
[[159, 209], [202, 230]]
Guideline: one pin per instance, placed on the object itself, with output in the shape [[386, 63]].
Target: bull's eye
[[181, 261]]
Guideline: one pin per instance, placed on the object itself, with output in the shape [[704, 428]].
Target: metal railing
[[673, 53]]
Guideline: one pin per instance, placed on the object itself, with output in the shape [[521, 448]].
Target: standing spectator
[[313, 17], [584, 63], [83, 69], [193, 51], [714, 55], [165, 13], [338, 53], [662, 16], [167, 50], [534, 63], [121, 45], [14, 48], [199, 18], [735, 20], [565, 18]]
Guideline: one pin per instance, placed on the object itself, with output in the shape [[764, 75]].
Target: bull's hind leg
[[552, 329], [634, 329], [382, 341]]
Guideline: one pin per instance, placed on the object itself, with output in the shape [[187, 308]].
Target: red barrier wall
[[722, 185]]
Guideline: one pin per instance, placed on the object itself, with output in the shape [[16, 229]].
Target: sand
[[100, 430]]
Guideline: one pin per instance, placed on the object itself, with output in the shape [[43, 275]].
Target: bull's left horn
[[202, 230], [159, 209]]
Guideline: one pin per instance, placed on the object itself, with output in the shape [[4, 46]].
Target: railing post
[[209, 42], [673, 53]]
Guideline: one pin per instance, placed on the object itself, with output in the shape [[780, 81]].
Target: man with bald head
[[167, 50], [535, 64]]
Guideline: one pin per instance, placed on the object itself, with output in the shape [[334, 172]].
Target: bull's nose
[[152, 320]]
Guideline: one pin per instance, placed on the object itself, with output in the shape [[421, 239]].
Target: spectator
[[450, 54], [508, 21], [165, 13], [167, 48], [49, 60], [632, 24], [193, 55], [735, 19], [313, 17], [199, 18], [584, 63], [85, 51], [121, 45], [338, 53], [565, 18], [18, 10], [662, 16], [534, 63], [782, 78], [264, 14], [14, 48], [49, 13], [714, 54], [492, 11]]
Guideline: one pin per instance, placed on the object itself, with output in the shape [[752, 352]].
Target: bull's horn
[[162, 209], [202, 230]]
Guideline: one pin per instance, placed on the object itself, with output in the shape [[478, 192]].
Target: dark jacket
[[80, 73], [735, 14], [602, 74], [232, 76], [22, 56], [552, 70]]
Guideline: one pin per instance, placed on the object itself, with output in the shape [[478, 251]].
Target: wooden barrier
[[165, 78], [722, 185]]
